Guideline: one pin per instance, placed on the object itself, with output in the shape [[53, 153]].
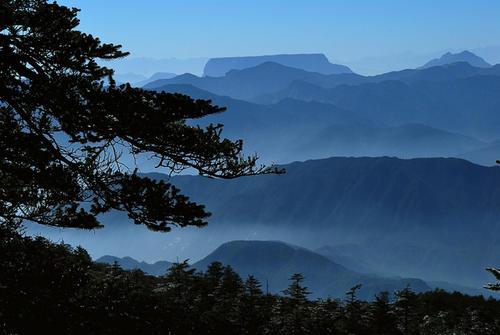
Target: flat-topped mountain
[[457, 97], [464, 56], [217, 67]]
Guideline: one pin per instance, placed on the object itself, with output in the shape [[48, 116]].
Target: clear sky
[[345, 30]]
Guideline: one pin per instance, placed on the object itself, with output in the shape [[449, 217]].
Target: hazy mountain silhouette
[[405, 216], [459, 97], [218, 67], [468, 105], [299, 130], [405, 141], [311, 86], [128, 263], [344, 255], [338, 255], [273, 262], [464, 56], [444, 72], [156, 76], [416, 217], [394, 193], [435, 219], [486, 155], [243, 84]]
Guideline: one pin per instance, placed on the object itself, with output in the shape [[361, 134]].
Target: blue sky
[[344, 30]]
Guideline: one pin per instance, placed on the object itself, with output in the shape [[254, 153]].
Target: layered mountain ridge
[[273, 262], [395, 216]]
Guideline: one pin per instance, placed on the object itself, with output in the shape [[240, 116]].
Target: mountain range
[[416, 217], [431, 218], [273, 262], [245, 84], [467, 105], [300, 129], [456, 97]]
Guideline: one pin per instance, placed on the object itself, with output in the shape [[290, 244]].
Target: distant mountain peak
[[128, 263], [463, 56], [217, 67], [266, 67], [273, 262]]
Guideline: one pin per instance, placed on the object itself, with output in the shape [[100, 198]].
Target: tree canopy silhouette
[[66, 128], [494, 286]]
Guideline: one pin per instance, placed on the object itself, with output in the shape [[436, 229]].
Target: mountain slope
[[269, 78], [405, 141], [417, 217], [263, 79], [486, 155], [273, 262], [468, 106], [299, 130], [394, 194], [243, 84]]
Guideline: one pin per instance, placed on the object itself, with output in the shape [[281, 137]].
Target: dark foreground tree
[[66, 130], [48, 288], [496, 273]]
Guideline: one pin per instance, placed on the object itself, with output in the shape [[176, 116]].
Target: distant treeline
[[48, 288]]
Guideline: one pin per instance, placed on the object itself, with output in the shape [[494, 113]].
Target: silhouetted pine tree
[[228, 302], [355, 313], [48, 288], [178, 293], [295, 306], [254, 309], [326, 317], [64, 124], [406, 311], [296, 292], [496, 273], [381, 316]]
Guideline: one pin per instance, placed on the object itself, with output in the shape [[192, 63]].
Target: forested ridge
[[48, 288]]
